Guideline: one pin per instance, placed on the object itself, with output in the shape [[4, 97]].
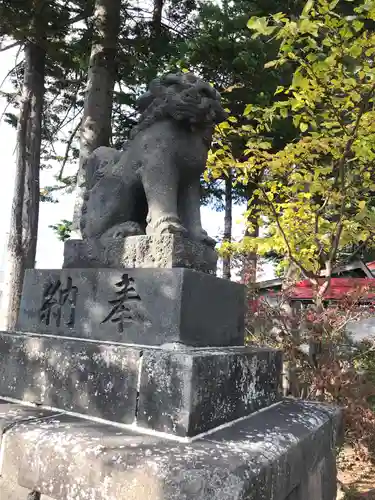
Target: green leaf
[[308, 6], [224, 125], [284, 113], [260, 25], [303, 126], [307, 26], [299, 81], [248, 109], [296, 120]]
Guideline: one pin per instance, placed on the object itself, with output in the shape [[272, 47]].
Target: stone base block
[[183, 393], [164, 251], [10, 415], [285, 452], [186, 393], [90, 378], [140, 306]]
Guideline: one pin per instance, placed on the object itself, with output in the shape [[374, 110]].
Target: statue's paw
[[166, 225], [208, 240], [203, 237], [123, 230], [171, 228]]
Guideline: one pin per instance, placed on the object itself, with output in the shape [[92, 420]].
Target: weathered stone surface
[[284, 452], [162, 251], [190, 392], [153, 185], [181, 393], [141, 306], [11, 414], [90, 378]]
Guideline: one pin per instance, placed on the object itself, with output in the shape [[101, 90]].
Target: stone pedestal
[[284, 452], [162, 252], [142, 388], [183, 392], [134, 306]]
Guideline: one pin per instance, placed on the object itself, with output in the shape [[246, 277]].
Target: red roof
[[339, 287]]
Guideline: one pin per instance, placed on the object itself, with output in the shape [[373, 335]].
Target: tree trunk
[[36, 75], [96, 122], [292, 311], [157, 18], [228, 223], [249, 260], [252, 230], [25, 207]]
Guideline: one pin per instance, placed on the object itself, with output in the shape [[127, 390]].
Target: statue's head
[[182, 97]]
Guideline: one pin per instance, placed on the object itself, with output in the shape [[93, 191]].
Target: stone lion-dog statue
[[153, 186]]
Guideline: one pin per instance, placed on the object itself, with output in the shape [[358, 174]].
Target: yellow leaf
[[361, 204], [270, 64]]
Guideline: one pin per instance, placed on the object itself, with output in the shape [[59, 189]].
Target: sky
[[50, 250]]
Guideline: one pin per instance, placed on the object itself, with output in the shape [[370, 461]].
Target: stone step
[[282, 453], [182, 392], [140, 306]]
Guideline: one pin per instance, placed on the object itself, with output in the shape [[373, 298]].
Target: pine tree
[[35, 34]]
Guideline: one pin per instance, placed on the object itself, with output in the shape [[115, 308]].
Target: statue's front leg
[[160, 182], [189, 205]]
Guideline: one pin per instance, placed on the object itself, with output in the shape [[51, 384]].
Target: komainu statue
[[153, 185]]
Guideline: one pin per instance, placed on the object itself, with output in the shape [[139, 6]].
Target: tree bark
[[25, 207], [252, 230], [96, 122], [157, 18], [228, 223], [249, 260], [35, 81]]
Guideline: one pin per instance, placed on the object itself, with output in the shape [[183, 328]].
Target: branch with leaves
[[317, 191]]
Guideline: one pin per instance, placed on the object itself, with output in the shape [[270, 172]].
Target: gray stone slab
[[160, 251], [182, 393], [12, 491], [285, 450], [11, 414], [90, 378], [141, 306], [190, 392]]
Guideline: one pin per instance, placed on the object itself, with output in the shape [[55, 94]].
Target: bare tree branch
[[9, 73], [6, 108], [68, 146], [8, 47], [335, 241], [361, 247], [308, 274]]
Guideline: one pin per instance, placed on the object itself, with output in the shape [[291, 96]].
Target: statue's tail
[[87, 177]]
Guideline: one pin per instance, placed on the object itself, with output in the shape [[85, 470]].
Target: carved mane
[[182, 97]]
